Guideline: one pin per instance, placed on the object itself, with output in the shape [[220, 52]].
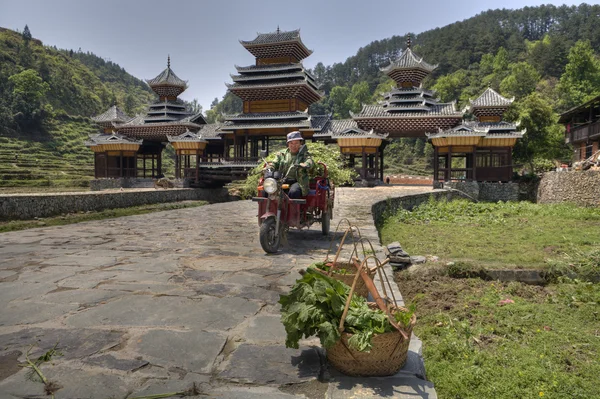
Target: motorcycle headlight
[[270, 185]]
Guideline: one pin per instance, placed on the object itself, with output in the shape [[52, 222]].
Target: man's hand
[[303, 165]]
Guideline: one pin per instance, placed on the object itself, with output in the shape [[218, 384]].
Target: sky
[[202, 37]]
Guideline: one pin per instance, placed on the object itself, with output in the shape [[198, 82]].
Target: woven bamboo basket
[[348, 277], [389, 350], [387, 356]]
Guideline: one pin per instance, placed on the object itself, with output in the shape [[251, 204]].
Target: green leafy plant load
[[329, 155], [315, 306]]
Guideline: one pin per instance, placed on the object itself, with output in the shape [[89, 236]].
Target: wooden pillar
[[376, 164], [381, 163], [106, 164], [363, 171], [246, 140], [197, 165], [509, 168], [474, 163], [121, 164], [436, 163], [159, 162], [448, 176], [135, 168]]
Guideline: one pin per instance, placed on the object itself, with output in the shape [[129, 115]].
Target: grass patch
[[496, 235], [14, 225], [487, 339]]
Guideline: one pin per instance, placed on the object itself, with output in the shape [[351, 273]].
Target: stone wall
[[382, 209], [491, 192], [579, 187], [107, 184], [29, 206]]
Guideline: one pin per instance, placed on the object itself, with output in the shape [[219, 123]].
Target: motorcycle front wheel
[[269, 237]]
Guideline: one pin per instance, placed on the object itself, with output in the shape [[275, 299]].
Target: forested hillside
[[46, 98]]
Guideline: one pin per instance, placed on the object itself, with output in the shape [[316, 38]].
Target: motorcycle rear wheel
[[269, 237], [325, 222]]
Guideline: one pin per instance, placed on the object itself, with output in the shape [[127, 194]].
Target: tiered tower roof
[[112, 117], [277, 44], [490, 106], [277, 90], [409, 70], [408, 109], [167, 84], [275, 81]]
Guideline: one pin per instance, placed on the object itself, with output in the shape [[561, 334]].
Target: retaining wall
[[106, 184], [390, 206], [579, 187], [29, 206]]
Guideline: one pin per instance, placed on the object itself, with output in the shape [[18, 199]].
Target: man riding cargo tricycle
[[288, 197]]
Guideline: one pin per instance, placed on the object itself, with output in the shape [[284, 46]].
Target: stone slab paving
[[157, 303]]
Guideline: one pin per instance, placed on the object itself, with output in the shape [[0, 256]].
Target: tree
[[26, 34], [543, 137], [581, 80], [521, 81], [338, 97], [28, 91], [449, 87]]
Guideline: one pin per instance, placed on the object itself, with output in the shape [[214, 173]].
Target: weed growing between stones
[[50, 387]]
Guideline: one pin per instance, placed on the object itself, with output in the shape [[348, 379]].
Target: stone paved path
[[153, 303]]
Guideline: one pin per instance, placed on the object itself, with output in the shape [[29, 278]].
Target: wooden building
[[167, 116], [479, 150], [582, 128]]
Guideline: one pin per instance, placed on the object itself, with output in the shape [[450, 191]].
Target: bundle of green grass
[[330, 155]]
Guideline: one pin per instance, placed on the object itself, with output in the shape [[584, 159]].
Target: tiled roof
[[274, 37], [211, 131], [187, 136], [407, 107], [409, 60], [267, 116], [167, 78], [396, 92], [318, 122], [266, 125], [490, 98], [114, 138], [269, 76], [377, 111], [139, 120], [269, 68], [358, 133], [271, 84], [114, 114], [336, 126], [483, 129]]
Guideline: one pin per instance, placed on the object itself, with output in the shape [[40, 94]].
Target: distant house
[[582, 128]]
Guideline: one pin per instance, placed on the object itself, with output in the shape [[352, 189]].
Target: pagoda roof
[[114, 138], [267, 116], [269, 76], [186, 137], [297, 124], [379, 112], [401, 92], [411, 98], [491, 98], [333, 126], [482, 129], [211, 131], [270, 68], [409, 60], [167, 78], [269, 45], [358, 133], [318, 122], [112, 115], [139, 122], [256, 85]]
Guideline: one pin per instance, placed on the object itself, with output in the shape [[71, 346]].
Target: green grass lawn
[[495, 235], [504, 340], [485, 339]]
